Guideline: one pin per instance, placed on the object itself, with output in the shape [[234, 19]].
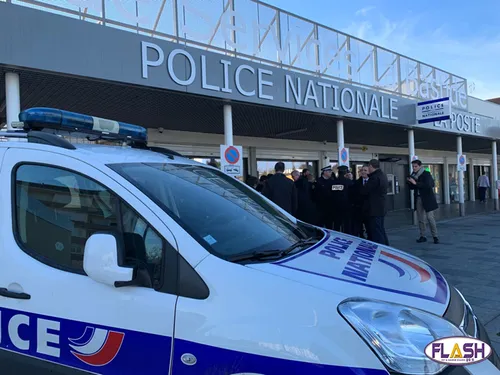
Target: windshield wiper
[[257, 255]]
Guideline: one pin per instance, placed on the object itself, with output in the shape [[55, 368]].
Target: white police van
[[131, 259]]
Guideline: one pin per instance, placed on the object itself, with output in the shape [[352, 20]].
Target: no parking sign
[[344, 156], [461, 162], [231, 160]]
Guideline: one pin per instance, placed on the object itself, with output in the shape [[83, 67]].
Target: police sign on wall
[[461, 163], [344, 157], [231, 160], [433, 110]]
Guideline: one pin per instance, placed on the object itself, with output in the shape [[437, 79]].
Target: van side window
[[57, 210]]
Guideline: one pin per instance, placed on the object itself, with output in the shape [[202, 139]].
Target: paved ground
[[402, 218], [469, 257]]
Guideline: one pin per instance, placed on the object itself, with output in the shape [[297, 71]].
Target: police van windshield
[[223, 215]]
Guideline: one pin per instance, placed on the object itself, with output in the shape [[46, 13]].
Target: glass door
[[453, 180]]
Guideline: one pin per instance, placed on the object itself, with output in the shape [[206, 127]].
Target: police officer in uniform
[[324, 198], [341, 201]]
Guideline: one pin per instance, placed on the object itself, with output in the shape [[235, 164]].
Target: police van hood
[[352, 267]]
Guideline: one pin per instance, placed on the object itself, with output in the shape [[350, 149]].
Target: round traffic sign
[[461, 160], [232, 155], [343, 155]]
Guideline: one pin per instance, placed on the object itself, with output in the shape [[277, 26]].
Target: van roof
[[104, 154]]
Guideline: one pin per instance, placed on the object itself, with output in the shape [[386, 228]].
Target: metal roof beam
[[335, 56], [219, 21], [268, 29], [302, 48]]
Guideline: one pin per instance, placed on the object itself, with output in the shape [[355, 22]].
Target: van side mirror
[[100, 261]]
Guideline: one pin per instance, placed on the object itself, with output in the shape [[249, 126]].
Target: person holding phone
[[422, 184]]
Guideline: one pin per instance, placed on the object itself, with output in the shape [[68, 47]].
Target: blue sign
[[434, 110], [343, 155], [232, 155]]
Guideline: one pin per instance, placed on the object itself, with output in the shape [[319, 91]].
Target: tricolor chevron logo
[[97, 347]]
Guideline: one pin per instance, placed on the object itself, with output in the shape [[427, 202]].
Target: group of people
[[342, 203]]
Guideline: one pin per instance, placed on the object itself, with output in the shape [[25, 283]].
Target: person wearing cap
[[281, 190], [422, 184], [341, 201], [324, 198]]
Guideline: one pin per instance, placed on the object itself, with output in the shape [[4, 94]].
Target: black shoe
[[436, 240], [422, 239]]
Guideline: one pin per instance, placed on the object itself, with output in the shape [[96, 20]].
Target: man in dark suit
[[376, 191], [359, 205], [306, 209], [324, 198], [341, 201], [422, 184], [281, 190]]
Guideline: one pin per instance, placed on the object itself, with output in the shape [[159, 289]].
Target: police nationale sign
[[433, 110]]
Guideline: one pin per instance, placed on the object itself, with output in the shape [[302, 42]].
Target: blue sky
[[460, 37]]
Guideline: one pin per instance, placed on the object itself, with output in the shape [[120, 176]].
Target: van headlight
[[398, 334]]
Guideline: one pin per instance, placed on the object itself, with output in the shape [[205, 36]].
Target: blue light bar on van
[[52, 118]]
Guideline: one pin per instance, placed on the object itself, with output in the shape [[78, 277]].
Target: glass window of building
[[453, 179]]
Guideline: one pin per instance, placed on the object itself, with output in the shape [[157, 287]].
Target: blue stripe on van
[[217, 361]]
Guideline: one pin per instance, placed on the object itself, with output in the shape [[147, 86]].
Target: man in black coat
[[281, 190], [376, 191], [324, 198], [422, 184], [306, 209], [359, 205], [341, 200]]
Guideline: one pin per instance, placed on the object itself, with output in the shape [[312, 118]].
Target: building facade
[[200, 75]]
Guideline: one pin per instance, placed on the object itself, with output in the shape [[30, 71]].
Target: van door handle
[[7, 293]]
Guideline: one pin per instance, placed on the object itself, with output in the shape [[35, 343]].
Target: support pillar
[[228, 125], [13, 98], [340, 135], [494, 165], [252, 162], [472, 183], [460, 180], [446, 182], [411, 153]]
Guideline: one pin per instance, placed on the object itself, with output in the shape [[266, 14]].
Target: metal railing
[[252, 30]]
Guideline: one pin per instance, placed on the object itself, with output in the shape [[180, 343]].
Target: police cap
[[326, 169]]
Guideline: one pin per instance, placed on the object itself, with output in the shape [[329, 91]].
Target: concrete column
[[228, 125], [340, 134], [252, 162], [446, 182], [13, 98], [460, 180], [411, 153], [494, 166], [472, 183]]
